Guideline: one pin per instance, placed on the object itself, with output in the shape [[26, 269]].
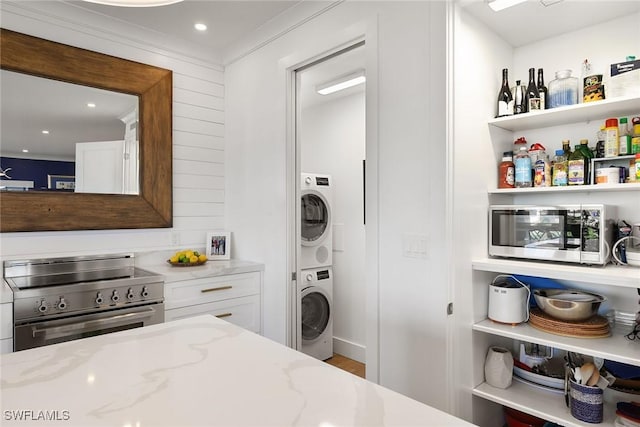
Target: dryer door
[[315, 218], [315, 312]]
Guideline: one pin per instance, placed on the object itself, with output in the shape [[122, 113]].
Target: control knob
[[308, 180], [130, 295], [145, 292], [62, 304], [309, 277], [99, 298], [43, 307], [115, 297]]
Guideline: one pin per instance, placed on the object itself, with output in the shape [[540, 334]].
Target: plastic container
[[506, 171], [523, 168], [563, 90]]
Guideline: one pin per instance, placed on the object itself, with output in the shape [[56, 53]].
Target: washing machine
[[316, 216], [316, 312]]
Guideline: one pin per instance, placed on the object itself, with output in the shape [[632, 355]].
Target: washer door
[[315, 313], [315, 218]]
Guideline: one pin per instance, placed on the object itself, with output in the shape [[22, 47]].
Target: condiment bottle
[[523, 168], [542, 171], [600, 143], [611, 138], [625, 137], [559, 178], [576, 167], [566, 148], [506, 171], [635, 140], [637, 167]]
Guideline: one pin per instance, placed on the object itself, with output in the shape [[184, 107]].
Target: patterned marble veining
[[211, 268], [200, 371]]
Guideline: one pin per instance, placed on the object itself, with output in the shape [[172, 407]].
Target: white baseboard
[[349, 349]]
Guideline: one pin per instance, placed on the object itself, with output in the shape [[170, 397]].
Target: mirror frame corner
[[51, 211]]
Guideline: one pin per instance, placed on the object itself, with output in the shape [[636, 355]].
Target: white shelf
[[570, 188], [540, 403], [598, 110], [611, 275], [616, 347]]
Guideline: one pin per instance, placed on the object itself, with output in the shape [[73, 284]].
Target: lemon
[[193, 258], [188, 253], [202, 258], [174, 258]]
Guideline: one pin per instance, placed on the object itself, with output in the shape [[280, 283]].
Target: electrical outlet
[[415, 246]]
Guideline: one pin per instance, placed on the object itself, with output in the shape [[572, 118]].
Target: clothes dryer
[[316, 217], [316, 313]]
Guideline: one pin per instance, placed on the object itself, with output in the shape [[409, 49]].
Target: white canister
[[498, 367], [608, 176]]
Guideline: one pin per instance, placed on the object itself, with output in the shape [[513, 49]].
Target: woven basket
[[586, 402]]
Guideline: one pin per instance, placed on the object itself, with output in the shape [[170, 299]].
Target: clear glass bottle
[[523, 168], [563, 90]]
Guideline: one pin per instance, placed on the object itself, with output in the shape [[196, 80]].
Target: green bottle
[[576, 167], [588, 155]]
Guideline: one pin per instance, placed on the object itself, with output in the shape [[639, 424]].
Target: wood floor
[[347, 364]]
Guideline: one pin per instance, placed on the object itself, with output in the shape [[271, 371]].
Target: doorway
[[331, 145]]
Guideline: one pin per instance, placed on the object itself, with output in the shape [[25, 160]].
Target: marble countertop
[[200, 371], [209, 269]]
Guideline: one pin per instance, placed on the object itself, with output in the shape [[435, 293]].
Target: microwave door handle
[[91, 325]]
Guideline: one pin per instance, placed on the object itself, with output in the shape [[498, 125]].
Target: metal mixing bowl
[[568, 304]]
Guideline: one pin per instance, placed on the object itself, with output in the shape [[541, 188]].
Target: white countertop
[[200, 371], [208, 269]]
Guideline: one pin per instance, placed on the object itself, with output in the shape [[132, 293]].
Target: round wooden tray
[[186, 264], [594, 327]]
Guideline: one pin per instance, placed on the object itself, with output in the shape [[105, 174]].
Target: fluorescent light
[[341, 83], [91, 105], [46, 132], [24, 150], [200, 26], [498, 5], [135, 3]]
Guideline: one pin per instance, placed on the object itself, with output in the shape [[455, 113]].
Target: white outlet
[[415, 246]]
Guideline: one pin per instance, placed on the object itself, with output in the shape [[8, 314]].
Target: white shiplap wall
[[198, 136]]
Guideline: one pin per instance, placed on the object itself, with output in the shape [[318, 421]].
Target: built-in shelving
[[611, 275], [569, 189], [616, 347], [540, 403], [586, 112]]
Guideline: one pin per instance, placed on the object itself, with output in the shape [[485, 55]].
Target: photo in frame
[[218, 245]]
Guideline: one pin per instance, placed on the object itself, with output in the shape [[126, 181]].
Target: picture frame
[[61, 182], [218, 245]]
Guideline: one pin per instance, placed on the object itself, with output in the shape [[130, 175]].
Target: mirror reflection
[[62, 137]]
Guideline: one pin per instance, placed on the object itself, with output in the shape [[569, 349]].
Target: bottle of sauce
[[625, 137], [637, 167], [600, 144], [611, 138], [542, 171], [559, 178], [523, 168], [506, 171], [635, 140], [576, 167], [566, 148]]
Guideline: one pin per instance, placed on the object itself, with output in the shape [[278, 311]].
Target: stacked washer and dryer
[[316, 282]]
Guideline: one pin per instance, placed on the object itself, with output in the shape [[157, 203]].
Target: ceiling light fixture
[[46, 132], [498, 5], [91, 105], [342, 82], [200, 26], [134, 3], [24, 150]]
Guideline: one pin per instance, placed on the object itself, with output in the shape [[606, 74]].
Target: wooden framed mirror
[[52, 211]]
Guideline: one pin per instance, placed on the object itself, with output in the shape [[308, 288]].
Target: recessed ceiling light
[[24, 150], [498, 5], [46, 132], [200, 26], [91, 105], [135, 3]]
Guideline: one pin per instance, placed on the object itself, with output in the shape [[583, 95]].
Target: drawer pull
[[220, 288], [220, 316]]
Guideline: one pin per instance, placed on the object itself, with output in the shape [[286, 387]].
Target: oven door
[[548, 233], [45, 332]]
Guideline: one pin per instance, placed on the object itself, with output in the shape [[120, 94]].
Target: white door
[[100, 167]]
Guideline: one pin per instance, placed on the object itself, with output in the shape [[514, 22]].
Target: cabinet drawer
[[243, 312], [6, 320], [210, 289], [6, 346]]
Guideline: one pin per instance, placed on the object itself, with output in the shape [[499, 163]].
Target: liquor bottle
[[519, 104], [566, 148], [542, 89], [532, 94], [588, 155], [505, 97]]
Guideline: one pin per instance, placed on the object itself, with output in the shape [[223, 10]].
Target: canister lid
[[611, 123]]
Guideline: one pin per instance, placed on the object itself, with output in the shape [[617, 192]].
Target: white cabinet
[[6, 328], [234, 297], [609, 279]]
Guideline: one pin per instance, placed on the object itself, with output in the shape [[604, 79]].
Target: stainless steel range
[[64, 299]]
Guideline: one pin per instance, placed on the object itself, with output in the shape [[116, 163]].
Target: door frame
[[369, 39]]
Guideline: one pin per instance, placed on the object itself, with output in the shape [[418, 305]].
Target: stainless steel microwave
[[579, 234]]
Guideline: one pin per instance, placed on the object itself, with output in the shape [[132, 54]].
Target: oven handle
[[91, 325]]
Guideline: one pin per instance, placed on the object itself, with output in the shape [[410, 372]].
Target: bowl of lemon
[[187, 258]]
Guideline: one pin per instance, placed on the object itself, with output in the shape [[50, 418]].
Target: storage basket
[[586, 402]]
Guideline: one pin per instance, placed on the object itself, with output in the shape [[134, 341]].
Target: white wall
[[332, 139], [405, 53], [198, 135]]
